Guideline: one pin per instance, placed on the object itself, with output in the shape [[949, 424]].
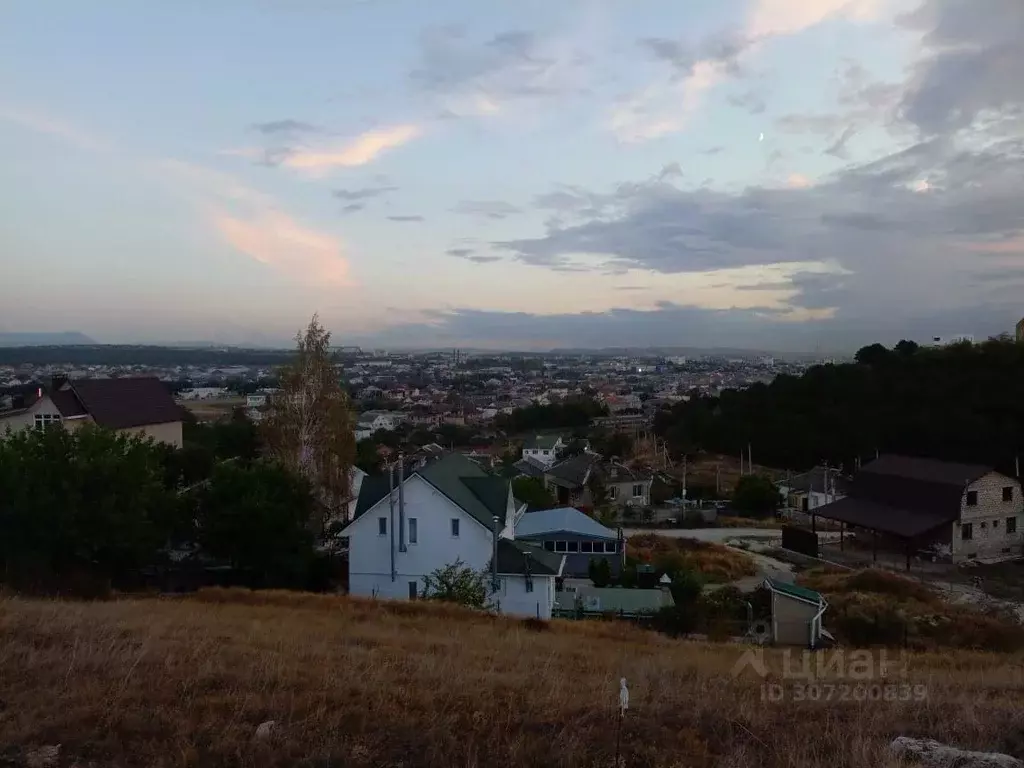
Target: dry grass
[[356, 683], [214, 409], [716, 562], [880, 606], [761, 523]]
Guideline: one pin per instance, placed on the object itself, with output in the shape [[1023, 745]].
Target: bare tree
[[308, 425]]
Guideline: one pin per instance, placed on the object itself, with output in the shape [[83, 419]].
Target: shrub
[[600, 572], [456, 583]]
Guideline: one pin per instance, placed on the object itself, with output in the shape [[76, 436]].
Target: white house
[[446, 510], [375, 421], [543, 449]]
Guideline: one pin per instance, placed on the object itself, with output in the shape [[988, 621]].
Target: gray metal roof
[[561, 519]]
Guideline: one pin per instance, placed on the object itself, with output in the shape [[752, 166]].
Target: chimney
[[391, 524], [401, 502], [494, 557]]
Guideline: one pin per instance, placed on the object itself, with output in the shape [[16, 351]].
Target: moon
[[761, 137]]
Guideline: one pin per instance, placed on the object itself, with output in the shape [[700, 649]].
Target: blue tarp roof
[[562, 519]]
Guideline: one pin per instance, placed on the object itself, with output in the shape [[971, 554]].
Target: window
[[455, 527], [972, 498], [967, 532], [412, 590], [638, 491], [1011, 525], [412, 530], [612, 492], [382, 526], [586, 546], [546, 452], [995, 523], [1008, 493], [984, 525], [560, 546], [46, 419], [549, 546], [609, 546], [574, 546]]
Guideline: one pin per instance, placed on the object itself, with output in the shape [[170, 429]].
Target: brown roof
[[67, 403], [882, 517], [927, 470], [128, 402], [905, 495]]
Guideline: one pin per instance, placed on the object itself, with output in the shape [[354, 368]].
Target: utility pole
[[684, 477], [718, 483], [750, 459]]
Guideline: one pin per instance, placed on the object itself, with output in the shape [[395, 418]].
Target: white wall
[[25, 419], [369, 554], [516, 601], [537, 454]]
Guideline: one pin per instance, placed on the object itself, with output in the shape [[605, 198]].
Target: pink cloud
[[279, 241], [361, 150]]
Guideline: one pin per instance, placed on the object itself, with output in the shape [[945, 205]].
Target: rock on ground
[[931, 753]]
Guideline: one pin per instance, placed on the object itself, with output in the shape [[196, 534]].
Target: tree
[[906, 348], [531, 491], [599, 571], [308, 424], [873, 354], [687, 587], [256, 518], [457, 583], [87, 499], [756, 495]]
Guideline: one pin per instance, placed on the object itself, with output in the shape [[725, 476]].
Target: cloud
[[353, 208], [666, 107], [405, 218], [253, 223], [486, 209], [361, 150], [974, 57], [362, 193], [480, 79], [468, 254], [276, 239], [284, 126], [48, 125], [886, 239]]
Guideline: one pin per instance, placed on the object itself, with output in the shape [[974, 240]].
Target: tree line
[[956, 403]]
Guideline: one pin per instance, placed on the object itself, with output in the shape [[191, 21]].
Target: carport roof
[[882, 517]]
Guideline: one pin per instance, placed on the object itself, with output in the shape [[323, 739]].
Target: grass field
[[185, 682], [213, 409]]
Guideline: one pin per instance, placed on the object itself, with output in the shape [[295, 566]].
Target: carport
[[904, 524]]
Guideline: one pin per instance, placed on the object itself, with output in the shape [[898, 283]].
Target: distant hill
[[62, 339]]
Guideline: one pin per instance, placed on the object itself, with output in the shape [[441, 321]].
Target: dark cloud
[[276, 127], [353, 208], [470, 255], [750, 100], [838, 147], [898, 236], [514, 64], [725, 49], [405, 218], [486, 209], [713, 150], [974, 66], [362, 193]]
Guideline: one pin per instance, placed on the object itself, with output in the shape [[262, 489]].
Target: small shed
[[796, 615]]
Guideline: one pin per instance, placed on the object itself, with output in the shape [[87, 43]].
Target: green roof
[[801, 593], [482, 496], [516, 556]]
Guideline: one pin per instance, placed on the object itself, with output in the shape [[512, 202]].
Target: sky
[[792, 175]]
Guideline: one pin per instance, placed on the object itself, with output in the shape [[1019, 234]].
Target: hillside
[[186, 682]]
